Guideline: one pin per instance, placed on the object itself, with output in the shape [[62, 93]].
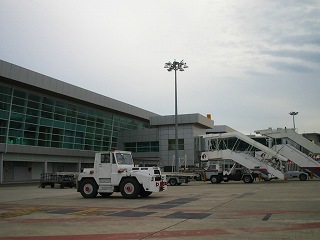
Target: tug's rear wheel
[[130, 188]]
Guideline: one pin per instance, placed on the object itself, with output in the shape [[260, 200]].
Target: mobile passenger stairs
[[295, 147], [243, 150]]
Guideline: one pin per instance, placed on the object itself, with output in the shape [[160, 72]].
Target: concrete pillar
[[45, 167]]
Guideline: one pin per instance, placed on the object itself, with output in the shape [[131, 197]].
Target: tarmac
[[198, 210]]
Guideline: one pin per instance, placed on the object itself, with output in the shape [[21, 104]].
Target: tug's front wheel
[[130, 188]]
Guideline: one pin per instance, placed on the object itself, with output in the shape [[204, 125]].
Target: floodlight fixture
[[175, 65], [293, 114]]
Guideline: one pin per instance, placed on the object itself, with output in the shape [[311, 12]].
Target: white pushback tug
[[114, 171]]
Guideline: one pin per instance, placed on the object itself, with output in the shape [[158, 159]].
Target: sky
[[251, 62]]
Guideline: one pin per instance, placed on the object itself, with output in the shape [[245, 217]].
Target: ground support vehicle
[[177, 178], [296, 174], [197, 172], [216, 175], [114, 171], [241, 149], [64, 179], [265, 162]]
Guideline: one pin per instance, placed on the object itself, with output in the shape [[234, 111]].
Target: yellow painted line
[[85, 212], [20, 212]]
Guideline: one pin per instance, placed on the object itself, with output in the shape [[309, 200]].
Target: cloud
[[301, 39], [296, 60], [245, 57], [308, 56], [293, 67]]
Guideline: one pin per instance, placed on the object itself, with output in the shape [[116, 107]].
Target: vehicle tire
[[105, 195], [214, 179], [43, 185], [144, 193], [303, 177], [89, 188], [247, 179], [130, 188], [52, 185], [173, 182], [62, 186]]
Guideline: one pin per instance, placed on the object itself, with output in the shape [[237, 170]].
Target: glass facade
[[29, 118], [142, 146], [172, 144]]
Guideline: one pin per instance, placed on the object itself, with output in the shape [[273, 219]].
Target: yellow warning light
[[209, 116]]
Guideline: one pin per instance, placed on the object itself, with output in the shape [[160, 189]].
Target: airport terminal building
[[47, 125]]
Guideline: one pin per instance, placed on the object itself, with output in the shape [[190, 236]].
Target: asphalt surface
[[198, 210]]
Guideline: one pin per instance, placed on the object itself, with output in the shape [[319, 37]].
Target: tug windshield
[[124, 159]]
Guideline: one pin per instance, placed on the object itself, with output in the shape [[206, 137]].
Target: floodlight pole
[[176, 120], [293, 114], [176, 66]]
